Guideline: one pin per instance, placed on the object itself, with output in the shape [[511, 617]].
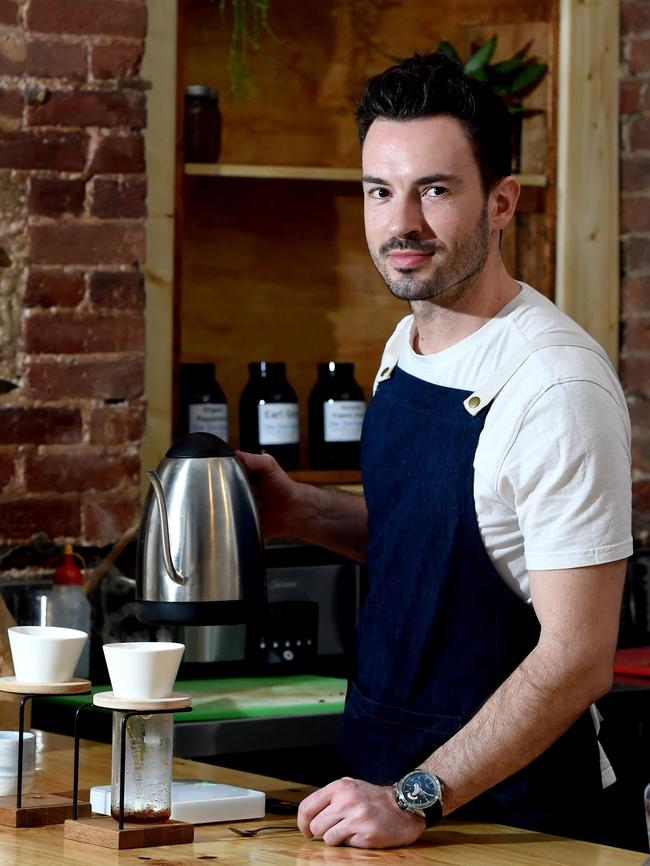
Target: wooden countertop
[[453, 843]]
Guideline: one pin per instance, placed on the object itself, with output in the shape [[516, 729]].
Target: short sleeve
[[567, 475]]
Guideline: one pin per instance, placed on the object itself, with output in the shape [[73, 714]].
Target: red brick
[[90, 108], [7, 470], [21, 425], [635, 17], [119, 290], [53, 288], [636, 334], [109, 17], [13, 53], [54, 151], [641, 495], [636, 294], [53, 58], [118, 154], [8, 12], [635, 374], [120, 379], [639, 57], [635, 214], [56, 516], [639, 407], [117, 425], [635, 173], [55, 196], [640, 134], [641, 451], [11, 109], [124, 198], [86, 469], [74, 334], [117, 60], [636, 255], [107, 517], [77, 243]]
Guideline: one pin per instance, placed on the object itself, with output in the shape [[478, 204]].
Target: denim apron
[[440, 630]]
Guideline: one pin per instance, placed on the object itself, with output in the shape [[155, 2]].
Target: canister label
[[209, 418], [278, 423], [343, 420]]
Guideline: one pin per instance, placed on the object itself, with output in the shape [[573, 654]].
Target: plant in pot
[[249, 21], [512, 79]]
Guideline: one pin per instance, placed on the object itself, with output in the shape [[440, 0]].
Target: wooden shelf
[[304, 172]]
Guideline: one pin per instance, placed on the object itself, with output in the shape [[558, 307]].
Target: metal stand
[[40, 809], [103, 830]]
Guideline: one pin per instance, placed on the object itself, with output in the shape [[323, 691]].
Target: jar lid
[[202, 91], [200, 371], [267, 368], [335, 368]]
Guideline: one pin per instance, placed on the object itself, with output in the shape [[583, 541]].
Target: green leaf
[[528, 76], [481, 58], [448, 49]]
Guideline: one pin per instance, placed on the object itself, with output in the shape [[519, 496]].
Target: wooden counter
[[451, 844]]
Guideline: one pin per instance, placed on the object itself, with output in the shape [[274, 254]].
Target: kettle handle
[[176, 576]]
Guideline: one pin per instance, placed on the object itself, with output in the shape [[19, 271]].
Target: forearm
[[533, 707], [331, 518]]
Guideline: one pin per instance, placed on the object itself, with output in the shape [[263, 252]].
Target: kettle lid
[[200, 445]]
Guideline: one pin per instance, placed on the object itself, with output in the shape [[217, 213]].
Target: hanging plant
[[249, 24]]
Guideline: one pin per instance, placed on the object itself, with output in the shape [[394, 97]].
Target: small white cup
[[45, 653], [9, 762], [143, 669]]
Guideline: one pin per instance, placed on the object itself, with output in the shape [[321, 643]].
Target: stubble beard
[[453, 277]]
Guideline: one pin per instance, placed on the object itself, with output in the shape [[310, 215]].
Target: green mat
[[248, 697]]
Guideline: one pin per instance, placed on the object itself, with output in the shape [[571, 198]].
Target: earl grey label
[[343, 420], [278, 423], [209, 418]]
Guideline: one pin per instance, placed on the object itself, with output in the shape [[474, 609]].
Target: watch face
[[420, 790]]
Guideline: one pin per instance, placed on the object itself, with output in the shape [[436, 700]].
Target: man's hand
[[358, 814]]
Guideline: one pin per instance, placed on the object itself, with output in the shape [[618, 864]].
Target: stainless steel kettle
[[200, 555]]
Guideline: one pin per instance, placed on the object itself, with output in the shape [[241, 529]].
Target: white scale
[[198, 802]]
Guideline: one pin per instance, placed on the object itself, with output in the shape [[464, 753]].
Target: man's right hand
[[275, 493]]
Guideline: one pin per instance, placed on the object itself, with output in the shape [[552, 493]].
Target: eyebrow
[[421, 181]]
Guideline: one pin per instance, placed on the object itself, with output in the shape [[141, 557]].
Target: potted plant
[[249, 23]]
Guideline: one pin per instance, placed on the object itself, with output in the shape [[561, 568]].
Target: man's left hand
[[355, 813]]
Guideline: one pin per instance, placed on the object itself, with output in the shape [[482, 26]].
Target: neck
[[446, 320]]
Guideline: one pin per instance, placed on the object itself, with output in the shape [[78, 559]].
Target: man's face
[[425, 212]]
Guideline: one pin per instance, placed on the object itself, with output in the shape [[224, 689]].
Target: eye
[[435, 191], [378, 192]]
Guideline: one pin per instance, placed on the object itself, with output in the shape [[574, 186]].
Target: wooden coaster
[[38, 810], [73, 687], [105, 831], [175, 701]]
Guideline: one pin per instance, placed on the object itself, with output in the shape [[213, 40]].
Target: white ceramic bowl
[[45, 653], [143, 669], [9, 762]]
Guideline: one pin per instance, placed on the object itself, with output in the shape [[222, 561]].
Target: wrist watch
[[421, 793]]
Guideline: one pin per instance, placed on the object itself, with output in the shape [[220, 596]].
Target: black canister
[[268, 414], [336, 410], [202, 124], [203, 407]]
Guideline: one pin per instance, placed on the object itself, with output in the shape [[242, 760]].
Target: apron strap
[[479, 399]]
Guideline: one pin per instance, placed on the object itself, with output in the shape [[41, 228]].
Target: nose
[[406, 216]]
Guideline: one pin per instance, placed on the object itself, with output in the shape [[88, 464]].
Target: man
[[495, 520]]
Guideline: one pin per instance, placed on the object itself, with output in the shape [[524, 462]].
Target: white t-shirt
[[552, 476], [552, 469]]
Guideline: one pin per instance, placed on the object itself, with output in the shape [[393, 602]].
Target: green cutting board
[[249, 697]]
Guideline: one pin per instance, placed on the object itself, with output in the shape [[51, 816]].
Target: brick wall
[[72, 207], [635, 244]]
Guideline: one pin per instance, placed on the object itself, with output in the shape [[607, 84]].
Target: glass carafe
[[148, 767]]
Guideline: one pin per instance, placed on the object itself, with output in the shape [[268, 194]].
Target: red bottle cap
[[68, 574]]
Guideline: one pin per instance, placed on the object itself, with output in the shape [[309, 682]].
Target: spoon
[[253, 831]]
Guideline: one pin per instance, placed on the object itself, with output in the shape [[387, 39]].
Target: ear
[[503, 201]]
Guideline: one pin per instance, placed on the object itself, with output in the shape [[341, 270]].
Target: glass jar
[[336, 410], [202, 404], [268, 414], [202, 135], [148, 768]]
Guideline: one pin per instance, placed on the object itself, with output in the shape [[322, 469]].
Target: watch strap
[[432, 814]]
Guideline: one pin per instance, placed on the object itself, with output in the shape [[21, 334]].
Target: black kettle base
[[197, 612]]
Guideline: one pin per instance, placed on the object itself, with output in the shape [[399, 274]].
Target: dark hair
[[432, 84]]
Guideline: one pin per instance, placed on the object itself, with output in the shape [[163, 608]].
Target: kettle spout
[[162, 508]]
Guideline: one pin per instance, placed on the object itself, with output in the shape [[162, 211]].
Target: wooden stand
[[39, 810], [119, 834]]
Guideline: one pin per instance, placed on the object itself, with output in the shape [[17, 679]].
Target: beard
[[453, 268]]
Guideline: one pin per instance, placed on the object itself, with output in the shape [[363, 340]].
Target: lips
[[408, 258]]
